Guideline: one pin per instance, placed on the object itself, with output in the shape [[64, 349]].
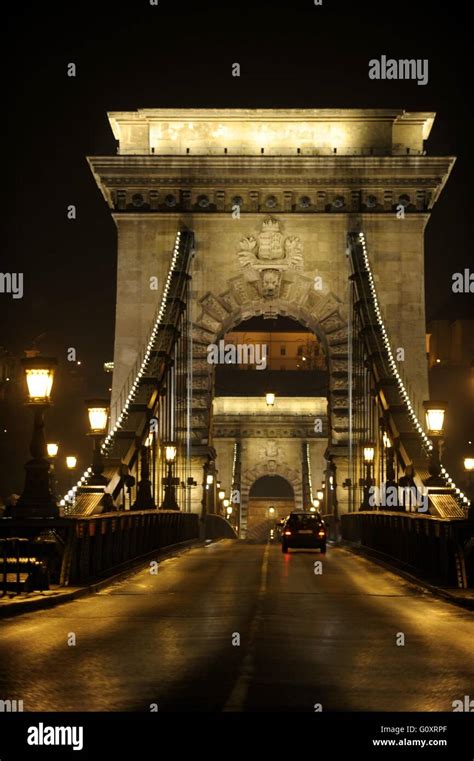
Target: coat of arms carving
[[266, 257]]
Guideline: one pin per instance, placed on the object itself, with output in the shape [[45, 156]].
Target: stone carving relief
[[264, 259], [271, 456], [272, 449], [270, 283]]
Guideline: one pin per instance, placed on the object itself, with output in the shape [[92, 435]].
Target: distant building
[[451, 342], [288, 350]]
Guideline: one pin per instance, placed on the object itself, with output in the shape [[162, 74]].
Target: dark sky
[[131, 55]]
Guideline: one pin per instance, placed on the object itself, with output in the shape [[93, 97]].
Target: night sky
[[134, 55]]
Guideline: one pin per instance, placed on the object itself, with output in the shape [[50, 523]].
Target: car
[[303, 530]]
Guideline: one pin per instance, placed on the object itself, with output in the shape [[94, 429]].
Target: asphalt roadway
[[236, 626]]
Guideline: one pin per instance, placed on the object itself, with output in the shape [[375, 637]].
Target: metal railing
[[87, 548], [426, 546]]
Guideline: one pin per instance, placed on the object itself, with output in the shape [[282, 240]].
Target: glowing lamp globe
[[52, 449], [434, 415], [39, 373], [469, 464], [369, 453], [170, 452], [98, 412]]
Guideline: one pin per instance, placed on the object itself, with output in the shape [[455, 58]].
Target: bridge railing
[[428, 547], [80, 549], [217, 527]]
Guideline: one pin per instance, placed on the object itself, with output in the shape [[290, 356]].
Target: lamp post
[[389, 465], [369, 454], [210, 489], [71, 462], [52, 449], [37, 499], [316, 504], [98, 413], [469, 468], [221, 496], [434, 415], [270, 399], [144, 499], [169, 501], [391, 487]]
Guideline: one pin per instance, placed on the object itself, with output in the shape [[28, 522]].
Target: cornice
[[202, 164]]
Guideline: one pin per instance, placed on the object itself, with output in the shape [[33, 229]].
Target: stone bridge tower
[[270, 195]]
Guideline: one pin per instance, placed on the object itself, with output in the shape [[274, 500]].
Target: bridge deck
[[304, 639]]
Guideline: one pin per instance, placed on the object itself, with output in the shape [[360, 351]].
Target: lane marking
[[236, 699]]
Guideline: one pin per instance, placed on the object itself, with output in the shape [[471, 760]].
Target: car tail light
[[321, 533], [287, 533]]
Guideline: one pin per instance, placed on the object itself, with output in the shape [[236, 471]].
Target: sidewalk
[[462, 597], [26, 603]]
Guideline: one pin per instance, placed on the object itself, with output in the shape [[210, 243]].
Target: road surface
[[236, 626]]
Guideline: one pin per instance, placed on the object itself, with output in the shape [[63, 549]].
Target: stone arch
[[263, 469], [249, 477], [275, 483], [321, 312]]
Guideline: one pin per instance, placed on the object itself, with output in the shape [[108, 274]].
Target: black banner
[[144, 736]]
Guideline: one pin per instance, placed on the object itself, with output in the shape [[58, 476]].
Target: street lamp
[[316, 503], [226, 504], [434, 415], [320, 494], [170, 453], [98, 413], [71, 462], [369, 455], [39, 372], [209, 480], [469, 468], [221, 494], [169, 501], [37, 499], [144, 498], [52, 450], [389, 463], [270, 399]]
